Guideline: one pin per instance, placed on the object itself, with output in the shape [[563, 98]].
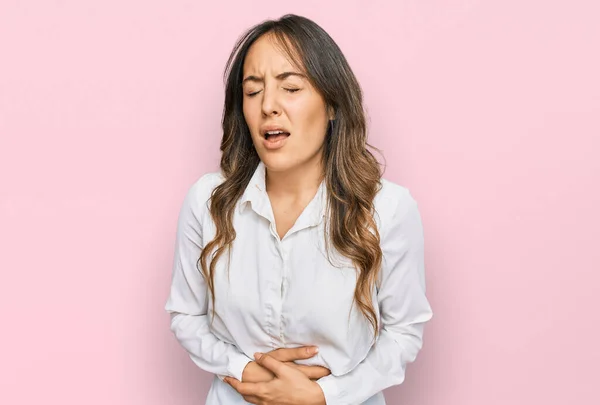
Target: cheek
[[249, 116], [246, 111], [310, 119], [314, 128]]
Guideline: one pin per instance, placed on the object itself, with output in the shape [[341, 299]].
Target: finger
[[244, 388], [294, 353], [312, 372], [251, 399], [271, 364]]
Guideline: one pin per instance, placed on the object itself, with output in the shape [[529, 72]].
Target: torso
[[293, 291]]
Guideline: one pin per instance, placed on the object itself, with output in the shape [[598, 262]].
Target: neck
[[295, 183]]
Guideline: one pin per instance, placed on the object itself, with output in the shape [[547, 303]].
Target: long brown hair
[[352, 174]]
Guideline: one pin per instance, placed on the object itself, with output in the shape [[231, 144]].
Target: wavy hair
[[351, 173]]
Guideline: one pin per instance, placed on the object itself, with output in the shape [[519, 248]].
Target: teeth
[[274, 132]]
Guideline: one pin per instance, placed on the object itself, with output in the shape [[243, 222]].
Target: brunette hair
[[352, 174]]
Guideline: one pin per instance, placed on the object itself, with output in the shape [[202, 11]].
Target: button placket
[[284, 285], [274, 295]]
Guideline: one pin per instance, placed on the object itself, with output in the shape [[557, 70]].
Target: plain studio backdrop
[[488, 111]]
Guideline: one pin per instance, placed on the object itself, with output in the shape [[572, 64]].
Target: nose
[[270, 105]]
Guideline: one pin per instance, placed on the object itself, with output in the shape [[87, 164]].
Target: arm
[[188, 299], [404, 310]]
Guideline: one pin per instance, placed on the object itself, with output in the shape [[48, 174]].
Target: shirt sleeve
[[187, 303], [404, 309]]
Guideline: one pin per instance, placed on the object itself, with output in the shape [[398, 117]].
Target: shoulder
[[393, 200], [393, 203], [203, 187], [200, 191]]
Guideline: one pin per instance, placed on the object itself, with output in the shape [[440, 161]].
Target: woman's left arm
[[404, 311]]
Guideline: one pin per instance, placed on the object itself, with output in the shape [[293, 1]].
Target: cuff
[[235, 366], [331, 390]]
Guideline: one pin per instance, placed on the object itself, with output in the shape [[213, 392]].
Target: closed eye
[[288, 90]]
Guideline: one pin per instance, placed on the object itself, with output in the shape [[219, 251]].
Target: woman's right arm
[[188, 299]]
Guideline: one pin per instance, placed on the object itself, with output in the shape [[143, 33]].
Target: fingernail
[[257, 356], [314, 350]]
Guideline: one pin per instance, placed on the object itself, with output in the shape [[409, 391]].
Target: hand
[[256, 373], [289, 387]]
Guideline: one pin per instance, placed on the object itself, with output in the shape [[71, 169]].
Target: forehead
[[266, 55]]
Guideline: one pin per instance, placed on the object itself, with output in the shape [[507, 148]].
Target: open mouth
[[274, 136]]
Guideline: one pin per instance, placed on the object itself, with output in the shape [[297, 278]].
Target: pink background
[[488, 111]]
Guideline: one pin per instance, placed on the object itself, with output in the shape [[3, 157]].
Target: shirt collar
[[256, 187], [256, 196]]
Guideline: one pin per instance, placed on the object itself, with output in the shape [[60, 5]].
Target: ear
[[330, 112]]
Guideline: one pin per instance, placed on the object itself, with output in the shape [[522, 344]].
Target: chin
[[278, 163], [288, 160]]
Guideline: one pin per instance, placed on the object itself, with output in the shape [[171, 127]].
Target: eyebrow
[[280, 76]]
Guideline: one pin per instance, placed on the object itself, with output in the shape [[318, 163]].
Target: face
[[279, 97]]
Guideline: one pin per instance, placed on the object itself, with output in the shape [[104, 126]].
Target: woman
[[298, 275]]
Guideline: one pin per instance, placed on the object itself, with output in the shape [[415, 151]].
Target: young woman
[[298, 275]]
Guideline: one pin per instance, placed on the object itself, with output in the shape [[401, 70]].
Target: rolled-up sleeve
[[187, 303], [404, 310]]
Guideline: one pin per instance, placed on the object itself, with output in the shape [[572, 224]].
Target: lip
[[270, 145], [267, 128]]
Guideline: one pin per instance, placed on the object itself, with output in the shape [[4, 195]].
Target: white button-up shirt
[[286, 293]]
